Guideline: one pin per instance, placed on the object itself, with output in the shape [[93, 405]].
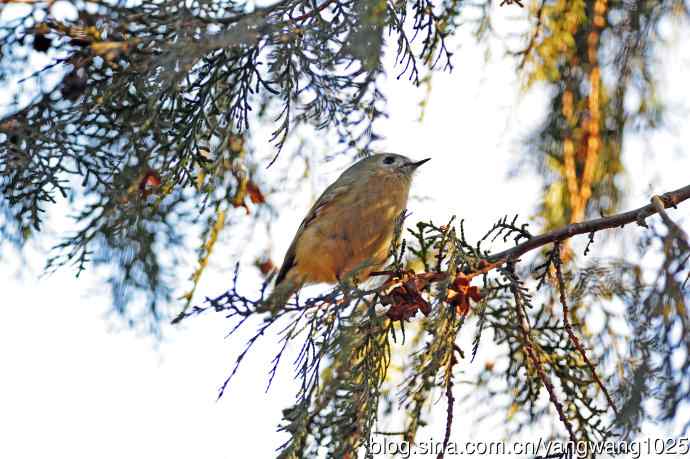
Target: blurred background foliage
[[150, 122], [598, 58]]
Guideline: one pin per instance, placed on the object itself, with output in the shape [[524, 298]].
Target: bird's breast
[[354, 236]]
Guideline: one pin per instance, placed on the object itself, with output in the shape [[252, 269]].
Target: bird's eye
[[389, 160]]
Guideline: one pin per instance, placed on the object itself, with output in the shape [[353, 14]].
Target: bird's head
[[390, 162]]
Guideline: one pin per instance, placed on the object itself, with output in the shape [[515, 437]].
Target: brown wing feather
[[325, 200]]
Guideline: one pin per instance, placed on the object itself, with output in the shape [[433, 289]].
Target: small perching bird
[[348, 231]]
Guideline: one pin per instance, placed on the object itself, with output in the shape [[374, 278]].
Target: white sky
[[76, 384]]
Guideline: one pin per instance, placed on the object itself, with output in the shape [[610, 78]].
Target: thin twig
[[533, 37], [673, 227], [529, 348], [451, 400], [569, 329], [313, 12]]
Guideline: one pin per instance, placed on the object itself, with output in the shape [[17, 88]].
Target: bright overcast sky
[[77, 384]]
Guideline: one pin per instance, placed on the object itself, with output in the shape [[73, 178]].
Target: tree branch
[[666, 200]]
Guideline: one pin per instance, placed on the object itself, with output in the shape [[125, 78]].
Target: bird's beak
[[418, 163]]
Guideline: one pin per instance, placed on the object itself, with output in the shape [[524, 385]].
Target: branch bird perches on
[[659, 203]]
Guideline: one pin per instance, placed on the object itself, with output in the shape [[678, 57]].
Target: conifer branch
[[666, 200]]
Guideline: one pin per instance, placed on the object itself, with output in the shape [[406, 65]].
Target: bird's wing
[[331, 195]]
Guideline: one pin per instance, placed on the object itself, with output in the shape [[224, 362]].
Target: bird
[[347, 233]]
